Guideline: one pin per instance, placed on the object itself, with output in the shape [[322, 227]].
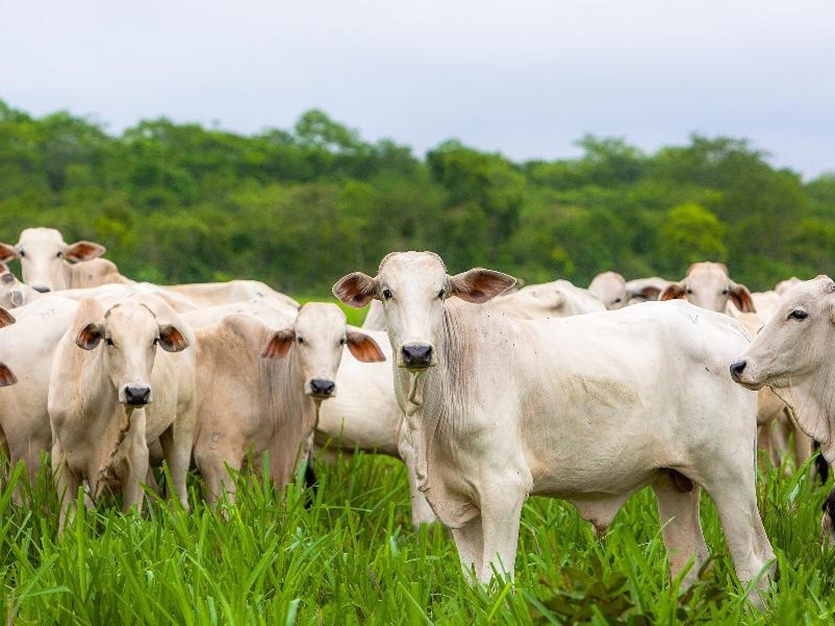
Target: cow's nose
[[40, 288], [322, 386], [737, 367], [417, 355], [137, 396]]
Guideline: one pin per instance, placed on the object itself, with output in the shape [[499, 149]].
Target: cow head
[[129, 335], [794, 343], [12, 291], [44, 257], [318, 336], [707, 285], [413, 287], [610, 288]]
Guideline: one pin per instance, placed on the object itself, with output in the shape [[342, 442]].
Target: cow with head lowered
[[588, 408]]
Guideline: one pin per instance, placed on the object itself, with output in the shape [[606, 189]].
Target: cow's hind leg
[[678, 511], [730, 483]]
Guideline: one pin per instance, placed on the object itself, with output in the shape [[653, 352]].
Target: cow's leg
[[421, 511], [212, 463], [730, 481], [803, 446], [501, 511], [137, 464], [469, 541], [678, 512], [176, 447], [67, 483]]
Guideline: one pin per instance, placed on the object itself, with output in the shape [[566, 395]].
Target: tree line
[[299, 208]]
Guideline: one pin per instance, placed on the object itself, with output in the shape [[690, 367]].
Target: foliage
[[299, 208]]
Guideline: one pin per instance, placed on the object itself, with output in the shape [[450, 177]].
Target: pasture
[[352, 557]]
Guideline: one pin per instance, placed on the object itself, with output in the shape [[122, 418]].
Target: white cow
[[48, 263], [259, 389], [645, 289], [503, 408], [28, 348], [559, 298], [610, 289], [121, 377], [213, 294], [365, 415], [791, 355]]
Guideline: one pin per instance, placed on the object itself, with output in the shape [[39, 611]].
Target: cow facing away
[[559, 298], [121, 377], [791, 354], [259, 389], [502, 408], [48, 263]]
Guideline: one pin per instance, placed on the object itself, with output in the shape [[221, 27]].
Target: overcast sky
[[526, 78]]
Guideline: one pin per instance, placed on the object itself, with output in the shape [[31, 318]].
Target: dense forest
[[299, 208]]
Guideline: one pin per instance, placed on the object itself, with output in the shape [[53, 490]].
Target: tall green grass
[[353, 558]]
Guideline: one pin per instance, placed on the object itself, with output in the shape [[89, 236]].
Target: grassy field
[[352, 557]]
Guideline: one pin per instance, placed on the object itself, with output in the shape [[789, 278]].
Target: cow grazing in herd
[[791, 354], [501, 409], [259, 388], [559, 298], [122, 376], [48, 263], [610, 289]]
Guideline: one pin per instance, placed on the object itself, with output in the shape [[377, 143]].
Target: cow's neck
[[812, 401]]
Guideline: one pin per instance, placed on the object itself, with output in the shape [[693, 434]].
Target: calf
[[121, 378], [502, 408]]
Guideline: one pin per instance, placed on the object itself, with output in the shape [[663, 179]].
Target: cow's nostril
[[419, 355], [137, 396], [322, 386], [737, 367]]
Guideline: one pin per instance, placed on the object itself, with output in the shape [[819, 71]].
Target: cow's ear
[[171, 339], [364, 348], [479, 285], [649, 292], [674, 291], [7, 377], [4, 269], [741, 298], [83, 251], [7, 252], [90, 336], [17, 298], [279, 344], [6, 318], [356, 289]]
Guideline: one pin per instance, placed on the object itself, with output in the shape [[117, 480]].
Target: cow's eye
[[156, 341], [387, 294], [442, 293], [689, 291], [725, 292], [617, 300], [108, 341], [798, 314], [342, 341], [21, 254], [300, 340]]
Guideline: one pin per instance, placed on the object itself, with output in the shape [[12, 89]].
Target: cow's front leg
[[469, 541], [501, 510]]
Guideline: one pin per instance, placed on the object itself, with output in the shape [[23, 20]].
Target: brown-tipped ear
[[364, 348], [7, 377], [356, 289], [479, 285], [4, 268], [90, 336], [741, 298], [83, 251], [7, 252], [673, 292], [171, 339], [279, 344], [650, 292], [6, 318]]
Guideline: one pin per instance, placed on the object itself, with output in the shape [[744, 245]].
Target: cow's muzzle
[[322, 388], [738, 374], [136, 395], [416, 356]]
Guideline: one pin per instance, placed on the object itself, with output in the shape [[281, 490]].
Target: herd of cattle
[[546, 389]]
